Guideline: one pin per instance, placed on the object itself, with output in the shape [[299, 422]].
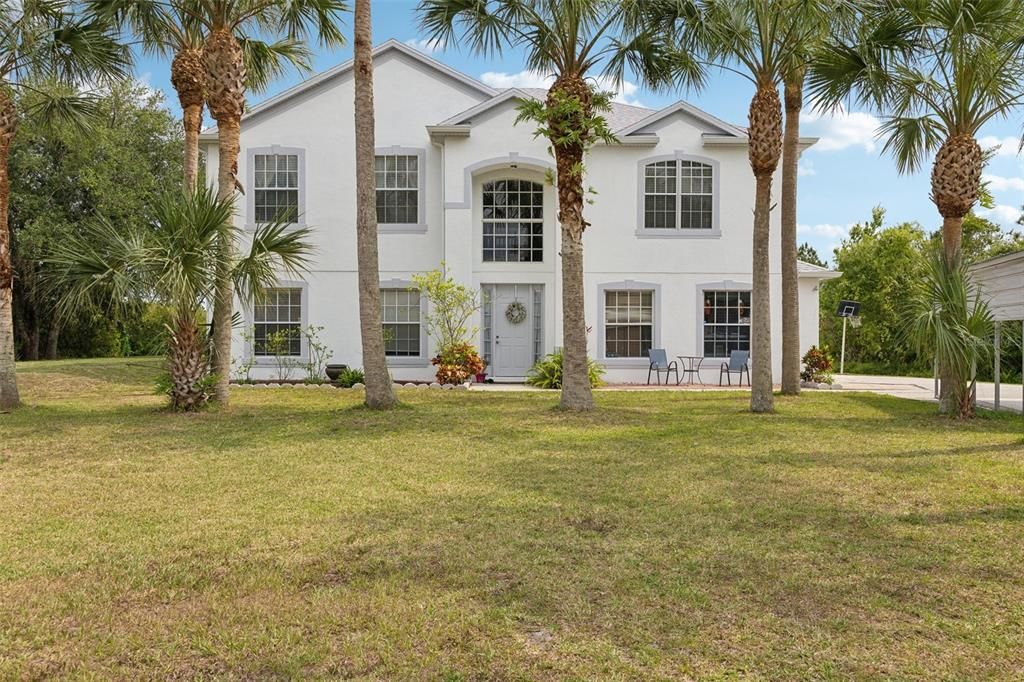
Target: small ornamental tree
[[449, 322]]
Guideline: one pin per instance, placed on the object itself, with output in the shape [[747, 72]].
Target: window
[[276, 187], [513, 216], [678, 194], [726, 322], [277, 328], [400, 312], [398, 188], [628, 323]]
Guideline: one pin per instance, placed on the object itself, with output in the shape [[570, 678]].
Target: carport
[[1002, 283]]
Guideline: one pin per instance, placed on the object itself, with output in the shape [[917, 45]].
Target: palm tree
[[937, 72], [169, 28], [224, 22], [380, 393], [174, 262], [41, 42], [573, 42], [763, 38], [948, 318]]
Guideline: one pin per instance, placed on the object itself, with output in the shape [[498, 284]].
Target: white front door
[[513, 341]]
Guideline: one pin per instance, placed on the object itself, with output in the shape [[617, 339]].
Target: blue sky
[[842, 177]]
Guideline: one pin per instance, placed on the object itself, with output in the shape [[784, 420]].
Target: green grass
[[476, 535]]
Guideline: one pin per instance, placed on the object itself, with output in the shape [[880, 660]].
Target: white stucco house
[[667, 256]]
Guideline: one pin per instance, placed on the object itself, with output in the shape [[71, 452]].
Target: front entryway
[[515, 325]]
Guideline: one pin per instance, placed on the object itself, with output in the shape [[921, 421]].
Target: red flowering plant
[[457, 363], [817, 366]]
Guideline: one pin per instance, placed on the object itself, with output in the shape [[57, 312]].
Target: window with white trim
[[400, 313], [277, 322], [397, 178], [678, 194], [513, 221], [276, 188], [726, 322], [628, 322]]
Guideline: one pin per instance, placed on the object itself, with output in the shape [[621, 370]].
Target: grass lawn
[[470, 535]]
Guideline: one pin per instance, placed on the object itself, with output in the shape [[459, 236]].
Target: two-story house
[[667, 255]]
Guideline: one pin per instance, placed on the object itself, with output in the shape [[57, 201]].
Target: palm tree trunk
[[53, 336], [9, 397], [193, 122], [223, 303], [764, 150], [185, 363], [790, 284], [952, 236], [761, 397], [380, 393]]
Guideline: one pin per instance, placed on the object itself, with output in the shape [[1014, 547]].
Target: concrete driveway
[[918, 388]]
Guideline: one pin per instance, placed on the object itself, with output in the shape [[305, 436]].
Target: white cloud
[[426, 45], [624, 94], [805, 168], [998, 183], [829, 230], [1002, 214], [1004, 146], [841, 129]]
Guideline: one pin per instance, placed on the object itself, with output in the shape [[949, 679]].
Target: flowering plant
[[817, 366], [457, 363]]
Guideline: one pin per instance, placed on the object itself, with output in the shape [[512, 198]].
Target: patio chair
[[659, 364], [737, 365]]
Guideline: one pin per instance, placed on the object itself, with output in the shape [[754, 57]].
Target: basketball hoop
[[855, 321]]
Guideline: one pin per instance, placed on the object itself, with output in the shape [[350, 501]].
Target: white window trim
[[679, 232], [419, 227], [250, 195], [423, 359], [724, 285], [627, 285], [250, 321]]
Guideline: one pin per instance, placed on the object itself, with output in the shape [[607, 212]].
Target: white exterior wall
[[410, 96]]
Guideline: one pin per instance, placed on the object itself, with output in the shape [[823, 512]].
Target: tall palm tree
[[380, 393], [759, 39], [573, 42], [224, 23], [174, 262], [936, 72], [169, 28], [41, 42]]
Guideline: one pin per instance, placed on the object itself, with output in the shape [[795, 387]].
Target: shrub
[[817, 366], [457, 363], [350, 376], [547, 372]]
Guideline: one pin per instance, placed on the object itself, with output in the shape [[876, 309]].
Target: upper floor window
[[277, 323], [628, 323], [678, 194], [400, 312], [276, 188], [726, 322], [398, 188], [513, 221]]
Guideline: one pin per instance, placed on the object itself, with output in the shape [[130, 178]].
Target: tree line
[[936, 72]]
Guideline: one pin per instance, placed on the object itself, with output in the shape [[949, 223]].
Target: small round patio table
[[690, 368]]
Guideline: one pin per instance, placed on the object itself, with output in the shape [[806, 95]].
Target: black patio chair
[[659, 364], [737, 365]]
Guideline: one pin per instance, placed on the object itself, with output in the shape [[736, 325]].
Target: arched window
[[513, 221], [678, 194]]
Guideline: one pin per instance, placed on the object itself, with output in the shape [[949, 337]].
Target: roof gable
[[717, 125]]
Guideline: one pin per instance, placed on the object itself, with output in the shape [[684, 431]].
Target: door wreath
[[515, 312]]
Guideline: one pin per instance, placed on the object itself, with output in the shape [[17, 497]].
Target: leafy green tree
[[174, 261], [880, 265], [41, 41], [983, 239], [62, 176], [573, 41], [806, 253]]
